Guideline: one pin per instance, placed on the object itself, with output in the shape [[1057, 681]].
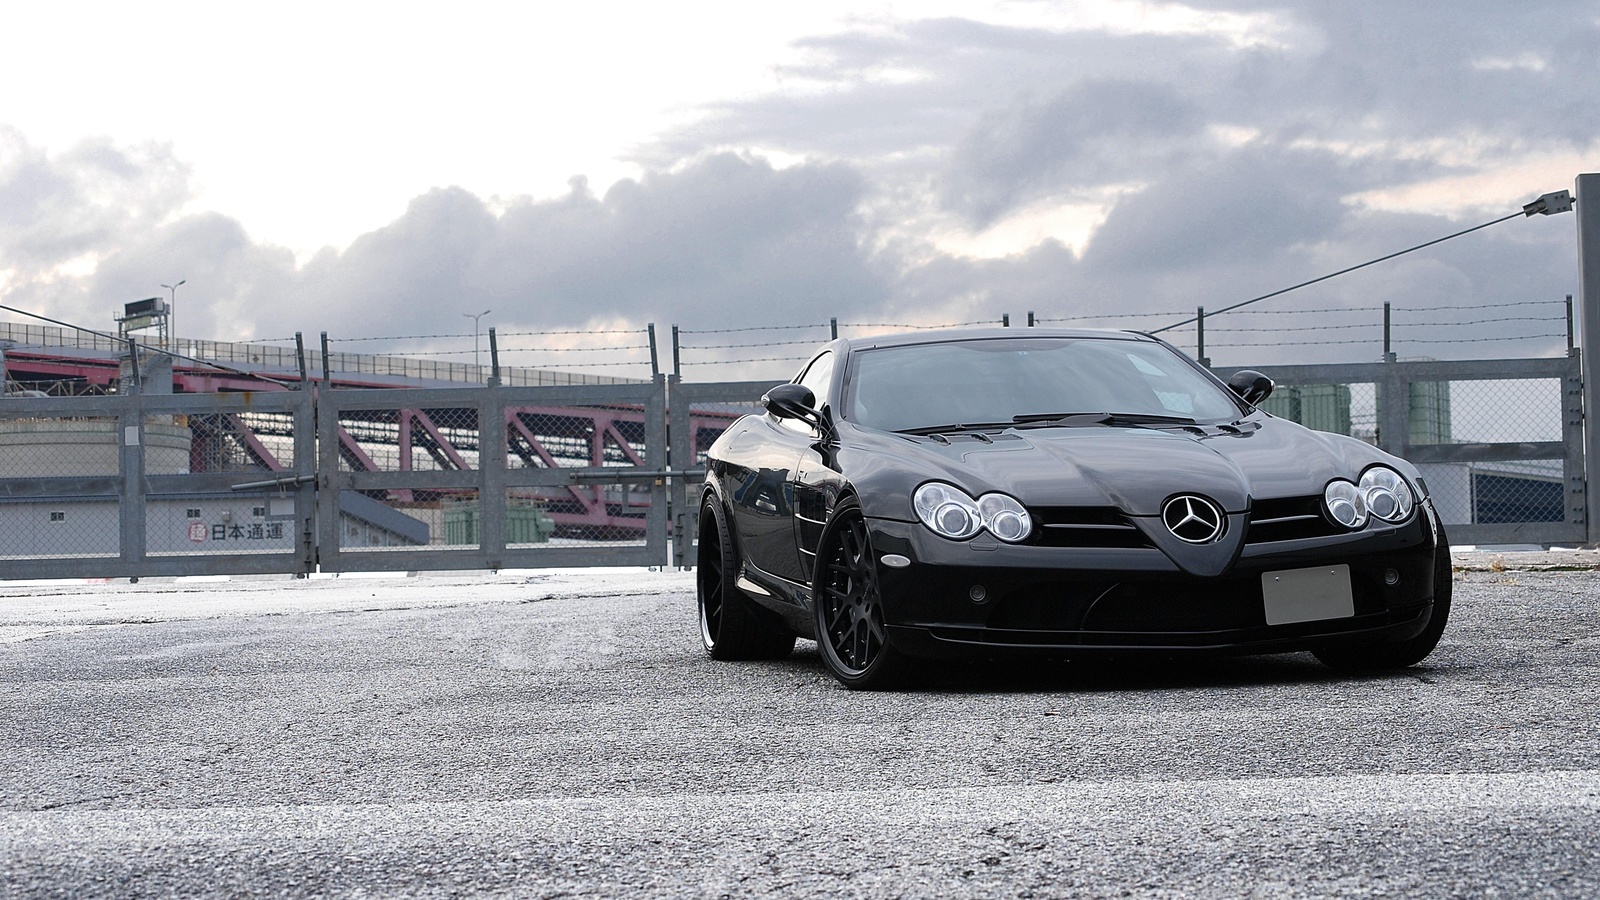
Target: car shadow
[[1131, 673]]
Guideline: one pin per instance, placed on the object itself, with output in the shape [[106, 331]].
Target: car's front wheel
[[1405, 653], [731, 626], [848, 604]]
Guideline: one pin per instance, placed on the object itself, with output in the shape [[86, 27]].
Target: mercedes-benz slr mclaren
[[1063, 493]]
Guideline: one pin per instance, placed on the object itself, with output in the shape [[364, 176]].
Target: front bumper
[[975, 597]]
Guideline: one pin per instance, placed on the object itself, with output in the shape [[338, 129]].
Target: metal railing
[[581, 475]]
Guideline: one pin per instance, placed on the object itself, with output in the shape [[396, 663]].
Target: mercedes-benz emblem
[[1193, 519]]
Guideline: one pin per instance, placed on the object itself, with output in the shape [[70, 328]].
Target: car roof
[[949, 335]]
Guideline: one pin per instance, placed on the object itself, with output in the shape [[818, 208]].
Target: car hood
[[1136, 469]]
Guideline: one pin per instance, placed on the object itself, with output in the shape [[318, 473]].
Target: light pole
[[172, 312], [474, 317]]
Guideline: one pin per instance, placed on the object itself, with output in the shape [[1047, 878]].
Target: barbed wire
[[434, 337], [1477, 322], [734, 362], [1525, 337], [621, 348], [1303, 312], [917, 327], [1477, 306], [683, 331], [1097, 316], [1294, 328], [1232, 344], [744, 346]]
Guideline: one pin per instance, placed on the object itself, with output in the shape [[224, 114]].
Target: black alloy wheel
[[849, 607], [1374, 657], [731, 626]]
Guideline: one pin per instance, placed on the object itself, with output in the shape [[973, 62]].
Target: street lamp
[[474, 318], [172, 311]]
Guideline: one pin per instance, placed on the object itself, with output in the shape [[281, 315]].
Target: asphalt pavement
[[511, 735]]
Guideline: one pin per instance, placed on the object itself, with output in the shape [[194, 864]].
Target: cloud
[[1210, 168], [724, 236], [1093, 134]]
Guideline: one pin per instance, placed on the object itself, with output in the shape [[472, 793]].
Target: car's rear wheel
[[731, 625], [848, 604], [1373, 657]]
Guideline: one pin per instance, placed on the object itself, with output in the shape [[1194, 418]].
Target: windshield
[[994, 382]]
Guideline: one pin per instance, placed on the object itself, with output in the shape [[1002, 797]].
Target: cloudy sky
[[381, 169]]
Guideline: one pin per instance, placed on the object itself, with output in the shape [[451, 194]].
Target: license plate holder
[[1307, 595]]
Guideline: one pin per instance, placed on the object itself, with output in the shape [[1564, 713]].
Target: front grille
[[1288, 519], [1086, 526]]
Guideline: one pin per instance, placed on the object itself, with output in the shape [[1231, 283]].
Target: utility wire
[[1371, 262]]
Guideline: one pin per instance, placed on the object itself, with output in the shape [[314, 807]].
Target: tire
[[1375, 657], [731, 625], [848, 606]]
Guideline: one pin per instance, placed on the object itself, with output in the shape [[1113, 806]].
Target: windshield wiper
[[953, 428], [1077, 418], [1100, 418], [1052, 419]]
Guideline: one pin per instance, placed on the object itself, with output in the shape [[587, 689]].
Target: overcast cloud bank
[[943, 171]]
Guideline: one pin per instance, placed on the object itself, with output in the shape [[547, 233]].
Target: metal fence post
[[655, 459], [327, 517], [1572, 464], [1394, 410], [130, 463], [1588, 201], [492, 477], [679, 457], [1388, 352], [494, 359]]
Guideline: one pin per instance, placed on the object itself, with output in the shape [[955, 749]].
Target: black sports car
[[1061, 492]]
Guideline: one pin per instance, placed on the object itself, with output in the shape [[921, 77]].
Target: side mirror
[[1251, 386], [792, 401]]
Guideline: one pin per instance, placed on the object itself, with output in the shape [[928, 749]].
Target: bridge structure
[[406, 438]]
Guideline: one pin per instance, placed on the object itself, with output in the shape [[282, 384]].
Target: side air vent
[[1086, 526], [1288, 519]]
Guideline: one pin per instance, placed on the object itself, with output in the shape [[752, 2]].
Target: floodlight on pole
[[172, 310], [475, 317]]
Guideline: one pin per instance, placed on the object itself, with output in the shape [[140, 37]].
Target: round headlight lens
[[1387, 494], [1346, 504], [951, 513], [1005, 517], [947, 511]]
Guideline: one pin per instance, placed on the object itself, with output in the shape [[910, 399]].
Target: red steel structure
[[395, 440]]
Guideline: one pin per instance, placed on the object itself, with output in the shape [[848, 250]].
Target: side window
[[819, 378]]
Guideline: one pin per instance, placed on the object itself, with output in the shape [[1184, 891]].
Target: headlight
[[1346, 504], [951, 513], [1387, 494], [1005, 518], [948, 511]]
